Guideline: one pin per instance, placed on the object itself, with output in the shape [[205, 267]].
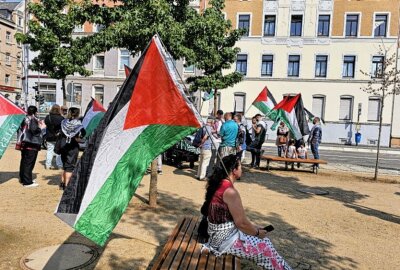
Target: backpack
[[241, 136], [198, 138]]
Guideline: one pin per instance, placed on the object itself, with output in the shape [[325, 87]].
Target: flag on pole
[[265, 102], [208, 96], [11, 117], [94, 113], [149, 115], [291, 111], [311, 116], [128, 70]]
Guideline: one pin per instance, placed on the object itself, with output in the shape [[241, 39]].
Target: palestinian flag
[[265, 102], [94, 113], [128, 70], [291, 111], [311, 116], [149, 115], [11, 117]]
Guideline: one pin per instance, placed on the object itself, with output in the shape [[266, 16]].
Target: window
[[188, 69], [374, 108], [349, 66], [380, 25], [269, 25], [377, 67], [99, 62], [124, 59], [98, 27], [8, 37], [244, 23], [318, 106], [296, 25], [7, 79], [99, 93], [323, 25], [351, 25], [294, 65], [267, 65], [78, 28], [48, 90], [240, 102], [18, 82], [8, 59], [346, 106], [76, 97], [241, 64], [321, 64], [19, 21]]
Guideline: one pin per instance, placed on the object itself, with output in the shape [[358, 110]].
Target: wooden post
[[153, 184]]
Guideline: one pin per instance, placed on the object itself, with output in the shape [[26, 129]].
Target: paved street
[[387, 161]]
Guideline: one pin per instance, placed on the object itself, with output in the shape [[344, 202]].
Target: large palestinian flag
[[11, 117], [94, 113], [291, 111], [265, 102], [149, 114]]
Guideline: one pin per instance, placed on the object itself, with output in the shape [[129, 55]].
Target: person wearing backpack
[[31, 129], [72, 132], [241, 137], [53, 123], [205, 152]]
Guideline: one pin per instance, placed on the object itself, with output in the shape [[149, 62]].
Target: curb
[[348, 149]]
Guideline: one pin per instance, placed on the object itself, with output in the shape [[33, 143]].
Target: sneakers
[[31, 185], [49, 168], [159, 172]]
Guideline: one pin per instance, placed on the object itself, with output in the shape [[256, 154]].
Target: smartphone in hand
[[269, 228]]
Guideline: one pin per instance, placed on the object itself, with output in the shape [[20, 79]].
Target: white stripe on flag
[[114, 145], [3, 119]]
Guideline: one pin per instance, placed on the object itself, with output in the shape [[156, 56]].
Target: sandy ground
[[356, 226]]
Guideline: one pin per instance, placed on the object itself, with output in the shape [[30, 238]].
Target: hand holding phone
[[269, 228]]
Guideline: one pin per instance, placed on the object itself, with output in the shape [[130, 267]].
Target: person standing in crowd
[[260, 121], [228, 133], [229, 229], [291, 150], [32, 140], [64, 111], [205, 151], [259, 134], [302, 153], [72, 133], [315, 138], [282, 135], [241, 137], [53, 123], [216, 139]]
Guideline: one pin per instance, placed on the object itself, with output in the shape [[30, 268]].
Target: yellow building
[[317, 48]]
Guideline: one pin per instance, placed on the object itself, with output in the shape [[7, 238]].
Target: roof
[[9, 5]]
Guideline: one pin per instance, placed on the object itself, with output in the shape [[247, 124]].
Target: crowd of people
[[62, 129]]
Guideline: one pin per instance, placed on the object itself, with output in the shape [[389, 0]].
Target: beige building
[[317, 48], [11, 58]]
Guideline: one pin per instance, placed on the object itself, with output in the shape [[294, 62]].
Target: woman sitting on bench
[[230, 232]]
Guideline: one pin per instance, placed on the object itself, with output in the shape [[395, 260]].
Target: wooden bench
[[182, 251], [293, 161]]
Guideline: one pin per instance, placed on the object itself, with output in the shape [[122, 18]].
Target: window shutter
[[317, 106], [345, 109], [373, 109], [239, 103]]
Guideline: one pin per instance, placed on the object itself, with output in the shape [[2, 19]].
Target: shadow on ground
[[7, 176]]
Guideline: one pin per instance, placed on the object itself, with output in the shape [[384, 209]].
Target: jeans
[[204, 162], [255, 156], [50, 154], [213, 162], [281, 148], [159, 163], [314, 150], [28, 160]]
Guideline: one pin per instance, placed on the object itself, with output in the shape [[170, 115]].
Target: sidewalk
[[350, 148]]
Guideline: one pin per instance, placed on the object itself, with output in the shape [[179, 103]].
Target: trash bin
[[358, 138]]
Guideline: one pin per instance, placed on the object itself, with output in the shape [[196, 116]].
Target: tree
[[383, 83], [211, 40]]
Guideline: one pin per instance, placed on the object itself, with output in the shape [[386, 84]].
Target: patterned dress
[[226, 238]]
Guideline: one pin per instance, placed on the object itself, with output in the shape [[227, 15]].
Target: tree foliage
[[203, 39]]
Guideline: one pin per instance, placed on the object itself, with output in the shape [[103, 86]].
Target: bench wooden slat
[[183, 251], [308, 160], [184, 245], [168, 244], [176, 246]]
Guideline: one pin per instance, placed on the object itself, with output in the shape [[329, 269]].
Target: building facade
[[11, 57], [317, 48]]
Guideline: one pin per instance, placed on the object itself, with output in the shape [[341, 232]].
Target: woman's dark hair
[[73, 113], [32, 110], [220, 173]]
